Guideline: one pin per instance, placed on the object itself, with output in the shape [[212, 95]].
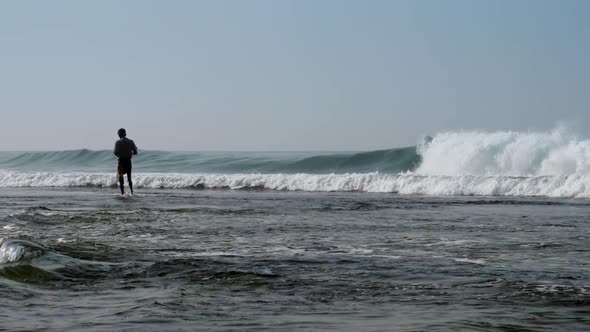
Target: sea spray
[[505, 154]]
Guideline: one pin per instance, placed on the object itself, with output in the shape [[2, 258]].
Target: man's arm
[[116, 151], [134, 148]]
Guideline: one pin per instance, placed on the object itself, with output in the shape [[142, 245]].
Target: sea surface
[[469, 231]]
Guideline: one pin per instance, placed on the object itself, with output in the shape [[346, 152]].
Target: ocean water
[[470, 231]]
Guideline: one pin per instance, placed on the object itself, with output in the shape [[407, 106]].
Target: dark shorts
[[124, 167]]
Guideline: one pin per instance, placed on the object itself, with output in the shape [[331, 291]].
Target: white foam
[[470, 261], [505, 153], [9, 252], [462, 243], [386, 256], [572, 185]]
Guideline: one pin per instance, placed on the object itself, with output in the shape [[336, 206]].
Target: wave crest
[[389, 161], [505, 154], [13, 251]]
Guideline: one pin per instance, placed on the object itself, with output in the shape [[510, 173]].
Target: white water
[[10, 253], [505, 154], [574, 185]]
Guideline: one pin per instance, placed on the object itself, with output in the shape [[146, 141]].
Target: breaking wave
[[575, 185], [505, 154], [505, 163], [388, 161], [14, 251]]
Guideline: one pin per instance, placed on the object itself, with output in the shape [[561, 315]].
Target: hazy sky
[[287, 75]]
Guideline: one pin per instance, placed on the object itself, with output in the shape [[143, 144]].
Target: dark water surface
[[87, 260]]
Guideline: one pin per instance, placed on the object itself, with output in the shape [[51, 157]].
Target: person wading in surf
[[124, 150]]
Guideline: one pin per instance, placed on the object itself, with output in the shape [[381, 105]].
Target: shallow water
[[168, 260]]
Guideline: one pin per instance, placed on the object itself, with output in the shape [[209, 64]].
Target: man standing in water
[[124, 149]]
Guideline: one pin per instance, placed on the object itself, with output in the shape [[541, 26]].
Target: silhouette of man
[[124, 150]]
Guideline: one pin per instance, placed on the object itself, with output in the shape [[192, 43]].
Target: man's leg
[[130, 183], [120, 176], [121, 183]]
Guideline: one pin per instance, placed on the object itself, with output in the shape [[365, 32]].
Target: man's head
[[122, 133]]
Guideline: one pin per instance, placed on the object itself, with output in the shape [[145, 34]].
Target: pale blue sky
[[287, 75]]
